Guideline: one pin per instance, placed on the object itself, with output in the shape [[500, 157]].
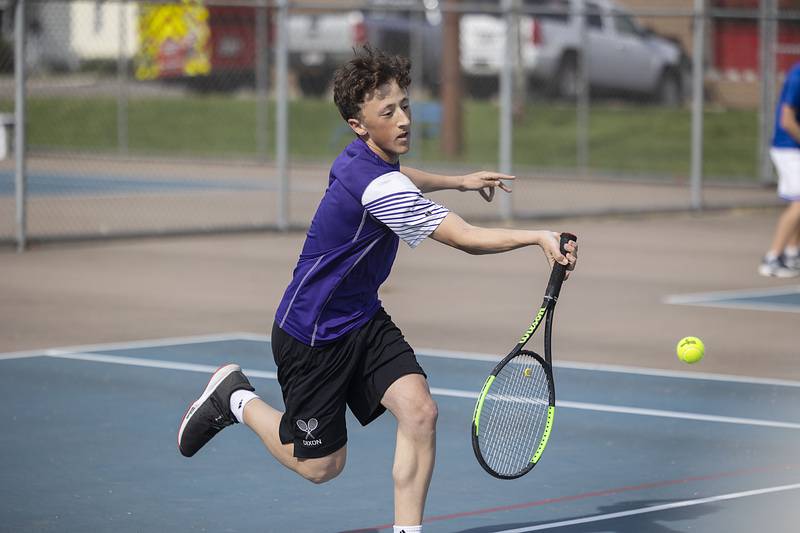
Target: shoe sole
[[217, 377], [783, 274]]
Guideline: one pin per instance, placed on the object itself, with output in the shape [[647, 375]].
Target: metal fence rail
[[135, 118]]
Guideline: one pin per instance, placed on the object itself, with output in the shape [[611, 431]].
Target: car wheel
[[668, 92], [566, 83]]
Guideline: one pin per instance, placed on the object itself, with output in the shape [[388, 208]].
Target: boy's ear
[[357, 126]]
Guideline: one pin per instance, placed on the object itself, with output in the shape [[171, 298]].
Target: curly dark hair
[[371, 68]]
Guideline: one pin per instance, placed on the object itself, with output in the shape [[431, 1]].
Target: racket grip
[[559, 270]]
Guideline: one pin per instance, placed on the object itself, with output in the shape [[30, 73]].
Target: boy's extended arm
[[429, 182], [456, 232]]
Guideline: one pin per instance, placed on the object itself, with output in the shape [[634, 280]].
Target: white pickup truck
[[621, 56], [320, 42]]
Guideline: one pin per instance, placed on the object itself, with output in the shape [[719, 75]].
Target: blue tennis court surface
[[786, 298], [89, 443]]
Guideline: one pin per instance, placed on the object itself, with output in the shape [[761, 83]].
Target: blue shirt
[[349, 250], [790, 95]]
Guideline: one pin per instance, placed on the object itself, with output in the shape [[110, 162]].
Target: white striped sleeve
[[394, 200]]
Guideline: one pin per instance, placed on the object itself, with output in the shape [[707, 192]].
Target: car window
[[594, 16], [555, 10], [625, 24]]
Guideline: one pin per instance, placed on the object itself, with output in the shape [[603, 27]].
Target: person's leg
[[781, 258], [786, 230], [409, 400], [791, 253], [265, 421], [794, 241], [218, 407]]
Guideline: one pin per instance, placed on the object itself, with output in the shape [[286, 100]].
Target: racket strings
[[514, 415]]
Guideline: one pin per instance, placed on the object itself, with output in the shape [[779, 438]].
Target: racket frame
[[545, 312]]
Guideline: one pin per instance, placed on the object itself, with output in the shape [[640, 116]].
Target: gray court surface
[[89, 444], [46, 184]]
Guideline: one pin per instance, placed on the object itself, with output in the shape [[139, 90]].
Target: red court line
[[593, 494]]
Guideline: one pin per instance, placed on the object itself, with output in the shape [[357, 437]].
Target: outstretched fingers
[[485, 183]]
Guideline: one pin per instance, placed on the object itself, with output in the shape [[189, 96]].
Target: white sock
[[407, 529], [239, 399], [791, 251], [770, 256]]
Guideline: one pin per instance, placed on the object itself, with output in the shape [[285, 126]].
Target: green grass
[[623, 139]]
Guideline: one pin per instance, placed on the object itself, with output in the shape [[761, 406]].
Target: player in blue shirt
[[783, 259], [333, 343]]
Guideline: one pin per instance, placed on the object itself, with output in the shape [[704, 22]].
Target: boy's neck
[[392, 159]]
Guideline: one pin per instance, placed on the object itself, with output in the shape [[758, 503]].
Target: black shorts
[[317, 382]]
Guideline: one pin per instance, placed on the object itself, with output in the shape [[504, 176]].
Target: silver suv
[[622, 56]]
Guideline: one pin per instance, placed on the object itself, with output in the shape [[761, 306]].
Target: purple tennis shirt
[[349, 250]]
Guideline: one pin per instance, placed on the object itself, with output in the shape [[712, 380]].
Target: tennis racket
[[513, 417]]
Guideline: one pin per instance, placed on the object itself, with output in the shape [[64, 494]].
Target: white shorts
[[787, 163]]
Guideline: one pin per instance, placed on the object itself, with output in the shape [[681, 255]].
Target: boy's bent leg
[[409, 400], [265, 420]]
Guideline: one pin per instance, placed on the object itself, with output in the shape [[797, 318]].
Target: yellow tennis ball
[[690, 349]]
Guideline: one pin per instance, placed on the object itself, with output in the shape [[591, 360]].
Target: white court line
[[655, 508], [745, 306], [621, 409], [129, 345], [720, 299], [425, 352], [155, 363], [453, 393], [621, 369], [594, 367], [734, 293]]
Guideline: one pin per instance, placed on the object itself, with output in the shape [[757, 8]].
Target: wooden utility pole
[[452, 136]]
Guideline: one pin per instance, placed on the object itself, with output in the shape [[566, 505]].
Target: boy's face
[[385, 121]]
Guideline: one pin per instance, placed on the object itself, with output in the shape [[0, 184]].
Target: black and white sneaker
[[211, 413], [776, 267]]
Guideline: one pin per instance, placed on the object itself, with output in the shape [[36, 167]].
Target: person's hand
[[551, 246], [485, 182]]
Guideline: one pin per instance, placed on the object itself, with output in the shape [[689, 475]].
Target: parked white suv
[[622, 57]]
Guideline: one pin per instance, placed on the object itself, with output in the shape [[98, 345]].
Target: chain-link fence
[[153, 118]]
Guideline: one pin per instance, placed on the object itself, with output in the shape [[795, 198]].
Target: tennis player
[[783, 257], [333, 343]]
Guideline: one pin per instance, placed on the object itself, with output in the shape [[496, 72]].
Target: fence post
[[20, 177], [698, 72], [122, 75], [506, 104], [262, 81], [282, 114], [416, 36], [767, 50], [582, 98]]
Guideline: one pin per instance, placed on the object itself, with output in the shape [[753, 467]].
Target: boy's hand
[[550, 244], [485, 183]]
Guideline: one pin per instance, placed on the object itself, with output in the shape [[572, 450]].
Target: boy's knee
[[424, 415]]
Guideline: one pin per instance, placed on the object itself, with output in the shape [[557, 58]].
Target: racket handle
[[559, 270]]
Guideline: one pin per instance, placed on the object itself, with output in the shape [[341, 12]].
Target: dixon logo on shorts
[[308, 427]]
